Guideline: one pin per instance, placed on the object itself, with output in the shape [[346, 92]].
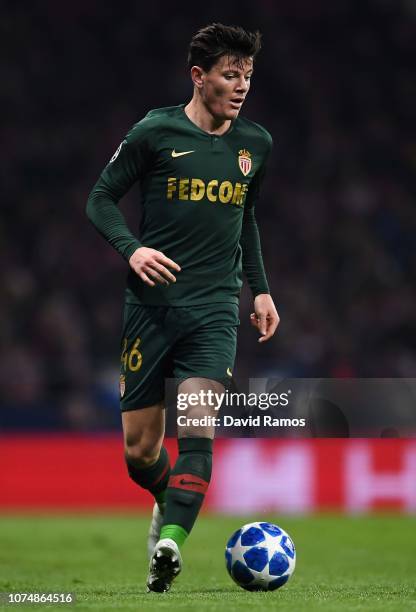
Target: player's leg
[[203, 360], [146, 458], [191, 474], [186, 490], [144, 349]]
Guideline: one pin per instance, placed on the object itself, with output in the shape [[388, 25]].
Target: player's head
[[221, 62]]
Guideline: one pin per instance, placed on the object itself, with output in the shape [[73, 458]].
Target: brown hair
[[215, 40]]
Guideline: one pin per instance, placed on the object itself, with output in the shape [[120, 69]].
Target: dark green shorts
[[160, 342]]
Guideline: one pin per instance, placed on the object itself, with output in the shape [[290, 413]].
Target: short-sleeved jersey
[[195, 188]]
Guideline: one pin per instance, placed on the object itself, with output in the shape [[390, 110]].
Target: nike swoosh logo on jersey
[[189, 482], [175, 154], [229, 372]]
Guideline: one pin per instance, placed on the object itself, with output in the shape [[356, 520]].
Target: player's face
[[226, 85]]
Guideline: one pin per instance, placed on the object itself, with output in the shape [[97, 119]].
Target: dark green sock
[[154, 478], [161, 497], [187, 486]]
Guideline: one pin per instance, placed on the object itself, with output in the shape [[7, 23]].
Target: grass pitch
[[358, 563]]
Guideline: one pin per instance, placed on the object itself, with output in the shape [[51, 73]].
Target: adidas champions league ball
[[260, 557]]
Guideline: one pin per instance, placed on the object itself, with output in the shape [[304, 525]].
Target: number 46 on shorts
[[132, 359]]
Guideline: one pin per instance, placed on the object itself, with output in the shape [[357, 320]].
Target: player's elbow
[[92, 207]]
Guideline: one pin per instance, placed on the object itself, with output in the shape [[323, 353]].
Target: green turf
[[359, 563]]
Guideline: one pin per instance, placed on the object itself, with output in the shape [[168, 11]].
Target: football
[[260, 557]]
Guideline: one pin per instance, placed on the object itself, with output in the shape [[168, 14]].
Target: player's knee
[[141, 454], [197, 423]]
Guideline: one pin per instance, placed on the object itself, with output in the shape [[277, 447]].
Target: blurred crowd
[[334, 85]]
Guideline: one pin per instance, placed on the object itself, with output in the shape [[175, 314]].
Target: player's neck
[[200, 115]]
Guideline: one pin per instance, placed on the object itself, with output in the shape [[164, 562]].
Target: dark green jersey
[[198, 196]]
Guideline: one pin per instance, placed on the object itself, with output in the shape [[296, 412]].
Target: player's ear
[[197, 76]]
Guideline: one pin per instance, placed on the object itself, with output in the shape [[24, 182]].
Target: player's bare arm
[[264, 318]]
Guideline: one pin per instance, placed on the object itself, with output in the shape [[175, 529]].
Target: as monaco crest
[[244, 161]]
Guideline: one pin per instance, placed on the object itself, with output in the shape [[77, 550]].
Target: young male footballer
[[200, 167]]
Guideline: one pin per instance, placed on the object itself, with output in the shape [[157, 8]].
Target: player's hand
[[265, 318], [152, 266]]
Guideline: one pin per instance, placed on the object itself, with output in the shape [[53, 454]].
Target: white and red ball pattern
[[260, 557]]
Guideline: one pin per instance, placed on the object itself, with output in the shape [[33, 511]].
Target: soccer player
[[200, 166]]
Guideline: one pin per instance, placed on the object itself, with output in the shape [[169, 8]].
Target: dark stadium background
[[334, 85]]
